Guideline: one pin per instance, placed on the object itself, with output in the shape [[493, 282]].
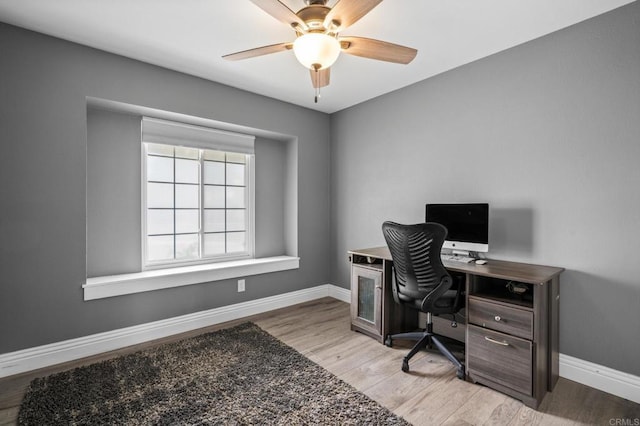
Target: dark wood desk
[[511, 339]]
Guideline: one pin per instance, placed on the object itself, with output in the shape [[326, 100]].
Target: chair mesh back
[[415, 250]]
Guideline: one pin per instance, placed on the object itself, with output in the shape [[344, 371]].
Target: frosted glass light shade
[[316, 48]]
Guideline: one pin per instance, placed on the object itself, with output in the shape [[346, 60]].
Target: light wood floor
[[430, 394]]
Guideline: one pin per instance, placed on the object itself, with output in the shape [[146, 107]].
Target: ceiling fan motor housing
[[314, 15]]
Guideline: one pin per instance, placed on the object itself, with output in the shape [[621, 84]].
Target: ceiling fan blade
[[347, 12], [258, 51], [279, 11], [320, 78], [377, 49]]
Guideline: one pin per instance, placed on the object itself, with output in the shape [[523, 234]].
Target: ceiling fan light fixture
[[313, 49]]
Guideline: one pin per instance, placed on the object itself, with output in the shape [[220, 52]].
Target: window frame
[[249, 253]]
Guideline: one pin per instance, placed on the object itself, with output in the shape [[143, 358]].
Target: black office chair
[[421, 282]]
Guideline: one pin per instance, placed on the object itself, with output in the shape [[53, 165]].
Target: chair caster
[[460, 373], [388, 342], [405, 365]]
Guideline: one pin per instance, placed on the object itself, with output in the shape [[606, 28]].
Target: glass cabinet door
[[366, 308]]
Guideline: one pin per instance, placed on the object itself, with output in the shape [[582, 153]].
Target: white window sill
[[116, 285]]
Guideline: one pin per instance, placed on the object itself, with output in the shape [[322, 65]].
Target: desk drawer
[[504, 359], [499, 317]]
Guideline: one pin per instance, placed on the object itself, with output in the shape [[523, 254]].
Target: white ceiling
[[191, 36]]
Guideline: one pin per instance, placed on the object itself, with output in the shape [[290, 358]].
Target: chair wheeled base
[[426, 339]]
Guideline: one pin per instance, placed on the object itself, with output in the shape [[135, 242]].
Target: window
[[117, 139], [197, 202]]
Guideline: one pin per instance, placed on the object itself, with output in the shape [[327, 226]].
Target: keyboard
[[456, 258]]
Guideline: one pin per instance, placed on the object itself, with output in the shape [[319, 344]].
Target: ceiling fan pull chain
[[316, 68]]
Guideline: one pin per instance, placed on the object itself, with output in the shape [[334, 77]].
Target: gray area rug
[[236, 376]]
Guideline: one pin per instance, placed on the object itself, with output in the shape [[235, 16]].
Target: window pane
[[187, 171], [214, 221], [213, 173], [214, 197], [159, 195], [159, 169], [235, 197], [182, 152], [236, 242], [234, 157], [213, 244], [187, 246], [235, 174], [159, 222], [187, 221], [187, 196], [235, 220], [160, 248]]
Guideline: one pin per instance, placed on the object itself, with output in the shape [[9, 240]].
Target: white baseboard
[[606, 379], [55, 353], [596, 376], [340, 293]]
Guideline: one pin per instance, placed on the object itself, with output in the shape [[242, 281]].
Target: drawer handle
[[497, 318], [489, 339]]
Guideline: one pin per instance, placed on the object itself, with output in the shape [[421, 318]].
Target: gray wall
[[44, 83], [548, 133], [113, 202]]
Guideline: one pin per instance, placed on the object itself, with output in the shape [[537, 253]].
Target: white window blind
[[168, 132]]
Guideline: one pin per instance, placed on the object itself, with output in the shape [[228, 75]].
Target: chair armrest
[[429, 301], [394, 286]]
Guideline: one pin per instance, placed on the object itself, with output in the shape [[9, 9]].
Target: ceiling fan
[[318, 44]]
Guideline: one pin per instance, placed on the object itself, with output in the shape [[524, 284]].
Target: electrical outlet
[[240, 286]]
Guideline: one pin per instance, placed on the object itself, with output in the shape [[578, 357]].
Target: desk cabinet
[[500, 337], [366, 298], [511, 336], [373, 310]]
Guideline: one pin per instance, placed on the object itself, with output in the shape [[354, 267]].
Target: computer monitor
[[468, 225]]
